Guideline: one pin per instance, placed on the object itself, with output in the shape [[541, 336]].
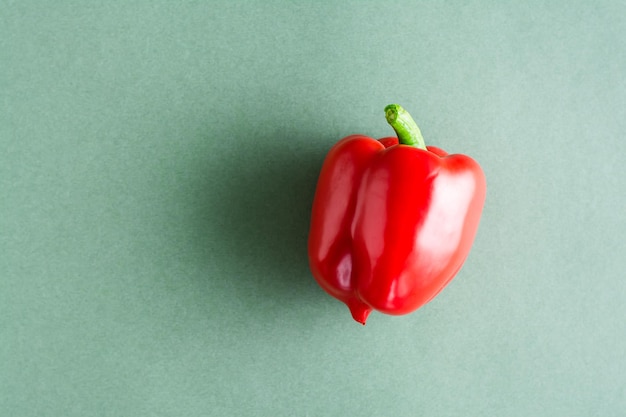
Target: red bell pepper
[[392, 220]]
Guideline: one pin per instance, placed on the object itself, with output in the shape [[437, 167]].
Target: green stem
[[404, 125]]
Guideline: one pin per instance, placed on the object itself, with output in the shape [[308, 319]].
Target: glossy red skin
[[392, 224]]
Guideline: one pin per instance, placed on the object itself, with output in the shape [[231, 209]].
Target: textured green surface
[[157, 166]]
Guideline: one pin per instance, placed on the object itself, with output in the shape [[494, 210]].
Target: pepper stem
[[404, 125]]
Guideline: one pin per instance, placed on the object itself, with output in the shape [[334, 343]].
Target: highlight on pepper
[[393, 220]]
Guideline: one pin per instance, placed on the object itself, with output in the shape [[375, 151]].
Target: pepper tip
[[359, 311]]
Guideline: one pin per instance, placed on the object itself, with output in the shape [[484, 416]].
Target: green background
[[157, 166]]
